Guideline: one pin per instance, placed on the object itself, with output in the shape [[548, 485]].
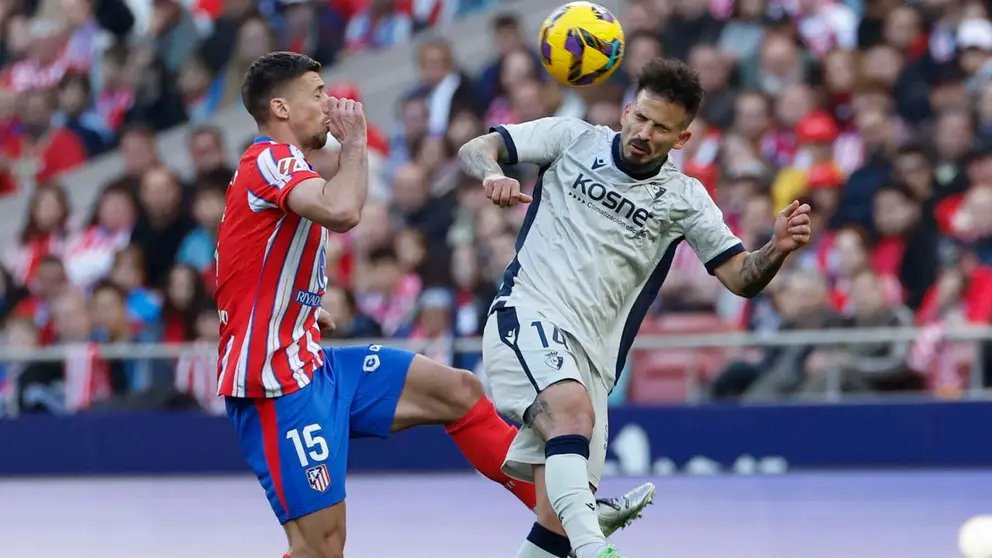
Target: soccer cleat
[[608, 552], [616, 513]]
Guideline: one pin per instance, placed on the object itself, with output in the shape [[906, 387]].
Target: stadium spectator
[[41, 151], [340, 304], [163, 225], [139, 151], [144, 306], [864, 367], [801, 300], [185, 296], [89, 255], [36, 385], [380, 25], [197, 248], [445, 88], [209, 156], [74, 113], [44, 233]]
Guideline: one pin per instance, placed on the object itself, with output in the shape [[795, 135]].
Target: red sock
[[484, 438]]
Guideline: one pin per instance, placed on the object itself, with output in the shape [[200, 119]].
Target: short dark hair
[[110, 286], [643, 34], [507, 20], [267, 74], [673, 81], [383, 255], [898, 188]]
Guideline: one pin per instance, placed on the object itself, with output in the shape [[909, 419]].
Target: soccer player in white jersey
[[601, 230]]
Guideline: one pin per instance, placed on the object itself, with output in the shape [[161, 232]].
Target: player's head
[[666, 100], [284, 91]]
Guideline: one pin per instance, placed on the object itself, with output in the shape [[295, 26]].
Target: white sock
[[544, 543], [567, 479]]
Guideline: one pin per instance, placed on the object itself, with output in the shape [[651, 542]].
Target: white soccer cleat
[[616, 513]]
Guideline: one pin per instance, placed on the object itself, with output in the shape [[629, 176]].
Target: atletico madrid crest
[[318, 478]]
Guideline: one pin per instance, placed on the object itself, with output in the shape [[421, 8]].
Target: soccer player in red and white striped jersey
[[270, 277]]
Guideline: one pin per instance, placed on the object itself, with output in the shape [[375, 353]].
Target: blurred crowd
[[74, 73], [878, 114]]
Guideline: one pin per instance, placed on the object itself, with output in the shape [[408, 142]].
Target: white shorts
[[523, 354]]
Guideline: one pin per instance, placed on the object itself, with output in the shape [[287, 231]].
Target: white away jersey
[[599, 238]]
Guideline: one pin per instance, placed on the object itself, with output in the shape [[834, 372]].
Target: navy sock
[[549, 541]]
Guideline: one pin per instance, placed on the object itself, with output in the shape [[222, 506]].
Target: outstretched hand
[[792, 227], [504, 191]]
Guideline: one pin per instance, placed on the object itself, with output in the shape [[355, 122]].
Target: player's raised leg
[[400, 390], [438, 394]]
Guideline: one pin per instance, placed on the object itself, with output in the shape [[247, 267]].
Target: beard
[[317, 141]]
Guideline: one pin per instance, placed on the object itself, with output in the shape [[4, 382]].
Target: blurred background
[[842, 412]]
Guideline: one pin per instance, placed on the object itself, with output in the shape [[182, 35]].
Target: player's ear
[[624, 113], [279, 108], [684, 138]]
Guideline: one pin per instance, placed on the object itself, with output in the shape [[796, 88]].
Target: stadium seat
[[673, 375]]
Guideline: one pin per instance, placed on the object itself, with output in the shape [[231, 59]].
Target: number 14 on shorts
[[557, 336]]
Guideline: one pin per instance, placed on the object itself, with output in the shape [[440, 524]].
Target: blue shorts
[[297, 444]]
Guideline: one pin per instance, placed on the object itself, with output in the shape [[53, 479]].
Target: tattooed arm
[[538, 141], [480, 157], [748, 273], [744, 273]]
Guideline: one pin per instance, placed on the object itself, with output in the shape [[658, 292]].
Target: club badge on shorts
[[318, 478], [554, 360]]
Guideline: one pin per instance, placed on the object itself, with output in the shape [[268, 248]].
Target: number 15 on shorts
[[310, 443]]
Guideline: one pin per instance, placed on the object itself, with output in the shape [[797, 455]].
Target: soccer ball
[[581, 43], [975, 537]]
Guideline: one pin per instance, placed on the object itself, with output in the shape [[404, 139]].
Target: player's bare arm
[[479, 158], [748, 273], [337, 203]]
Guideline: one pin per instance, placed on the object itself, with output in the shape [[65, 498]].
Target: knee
[[464, 391], [566, 410]]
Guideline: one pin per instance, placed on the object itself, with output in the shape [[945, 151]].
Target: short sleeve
[[280, 167], [707, 233], [539, 141]]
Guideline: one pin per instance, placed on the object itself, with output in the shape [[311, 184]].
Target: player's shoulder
[[270, 149], [687, 190], [272, 162], [558, 125]]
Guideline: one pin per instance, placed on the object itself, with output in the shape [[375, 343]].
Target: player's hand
[[324, 321], [504, 191], [347, 120], [792, 227]]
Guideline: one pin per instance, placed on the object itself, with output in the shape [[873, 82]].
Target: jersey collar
[[263, 139], [635, 173]]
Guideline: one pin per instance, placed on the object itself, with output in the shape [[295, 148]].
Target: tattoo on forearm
[[759, 268], [477, 159], [539, 417]]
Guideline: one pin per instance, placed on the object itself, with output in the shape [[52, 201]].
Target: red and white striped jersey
[[270, 278]]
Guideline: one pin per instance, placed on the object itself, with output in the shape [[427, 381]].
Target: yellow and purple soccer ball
[[581, 43]]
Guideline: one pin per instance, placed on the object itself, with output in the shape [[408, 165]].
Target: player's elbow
[[746, 292], [343, 219]]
